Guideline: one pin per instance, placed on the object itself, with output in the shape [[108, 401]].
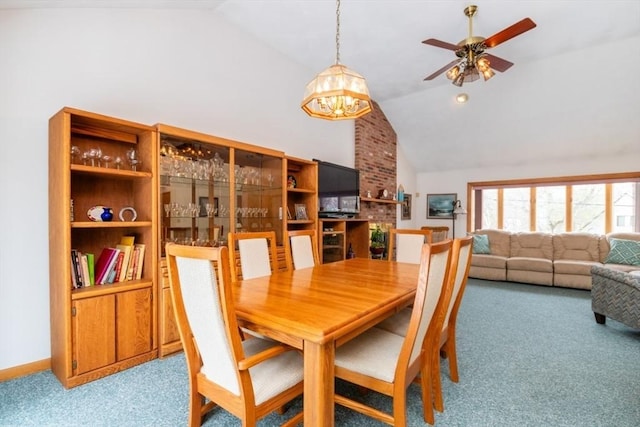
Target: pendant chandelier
[[337, 93]]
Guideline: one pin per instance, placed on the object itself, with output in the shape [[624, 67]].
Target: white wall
[[455, 181], [187, 68]]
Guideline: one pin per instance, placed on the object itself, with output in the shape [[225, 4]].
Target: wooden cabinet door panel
[[94, 333], [169, 326], [133, 323]]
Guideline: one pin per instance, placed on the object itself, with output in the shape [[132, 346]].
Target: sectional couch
[[563, 259]]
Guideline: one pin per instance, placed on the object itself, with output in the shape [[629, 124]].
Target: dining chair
[[407, 244], [255, 256], [386, 362], [303, 248], [399, 323], [440, 233], [250, 378]]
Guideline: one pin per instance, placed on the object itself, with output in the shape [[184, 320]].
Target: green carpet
[[528, 356]]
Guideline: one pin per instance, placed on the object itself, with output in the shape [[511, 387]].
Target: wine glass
[[133, 159], [75, 153], [118, 162]]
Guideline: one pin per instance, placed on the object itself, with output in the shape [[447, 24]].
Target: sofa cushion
[[530, 264], [605, 245], [532, 245], [491, 261], [481, 244], [623, 252], [566, 266], [576, 246], [499, 241]]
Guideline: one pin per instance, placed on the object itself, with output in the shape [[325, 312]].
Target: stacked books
[[118, 264]]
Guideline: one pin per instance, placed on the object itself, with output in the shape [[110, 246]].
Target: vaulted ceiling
[[573, 90]]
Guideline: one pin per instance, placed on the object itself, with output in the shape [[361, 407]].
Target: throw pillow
[[624, 252], [481, 244]]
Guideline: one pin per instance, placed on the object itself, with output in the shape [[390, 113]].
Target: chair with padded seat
[[388, 363], [406, 244], [439, 233], [250, 378], [303, 248], [459, 273], [253, 254]]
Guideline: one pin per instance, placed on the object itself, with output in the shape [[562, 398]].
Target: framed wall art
[[440, 206], [406, 207]]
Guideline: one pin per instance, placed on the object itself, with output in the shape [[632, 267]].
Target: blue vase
[[107, 214]]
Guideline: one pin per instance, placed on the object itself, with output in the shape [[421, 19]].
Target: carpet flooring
[[528, 356]]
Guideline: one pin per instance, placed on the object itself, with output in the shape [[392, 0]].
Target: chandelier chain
[[337, 31]]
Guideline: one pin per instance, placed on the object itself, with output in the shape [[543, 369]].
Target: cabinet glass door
[[258, 193], [194, 192]]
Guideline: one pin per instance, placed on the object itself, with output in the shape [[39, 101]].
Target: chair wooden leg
[[196, 402], [438, 402], [427, 396], [400, 408], [450, 346]]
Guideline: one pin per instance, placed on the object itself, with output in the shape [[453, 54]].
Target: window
[[550, 209], [517, 209], [592, 204], [588, 208]]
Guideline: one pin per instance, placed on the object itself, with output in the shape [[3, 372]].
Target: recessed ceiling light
[[461, 98]]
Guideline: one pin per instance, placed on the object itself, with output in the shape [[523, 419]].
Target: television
[[338, 190]]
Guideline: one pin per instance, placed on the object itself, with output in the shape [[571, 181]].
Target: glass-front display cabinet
[[210, 186]]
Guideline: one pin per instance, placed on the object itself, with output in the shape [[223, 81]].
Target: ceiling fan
[[472, 60]]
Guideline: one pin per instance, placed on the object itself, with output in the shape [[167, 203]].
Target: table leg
[[319, 384]]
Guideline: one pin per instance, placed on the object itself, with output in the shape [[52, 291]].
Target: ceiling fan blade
[[510, 32], [440, 43], [498, 64], [442, 70]]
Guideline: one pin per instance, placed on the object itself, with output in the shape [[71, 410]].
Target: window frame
[[474, 199]]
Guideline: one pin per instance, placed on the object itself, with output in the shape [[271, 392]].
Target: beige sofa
[[563, 259]]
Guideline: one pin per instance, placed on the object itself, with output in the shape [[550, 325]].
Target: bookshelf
[[96, 160]]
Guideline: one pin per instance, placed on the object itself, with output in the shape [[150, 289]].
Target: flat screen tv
[[338, 190]]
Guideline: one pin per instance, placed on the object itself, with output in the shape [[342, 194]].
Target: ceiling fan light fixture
[[487, 74], [453, 72], [337, 93]]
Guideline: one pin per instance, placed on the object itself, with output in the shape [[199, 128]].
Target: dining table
[[317, 309]]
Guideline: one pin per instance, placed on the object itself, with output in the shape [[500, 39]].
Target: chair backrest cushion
[[437, 275], [202, 305], [409, 247], [464, 260], [301, 252], [254, 258]]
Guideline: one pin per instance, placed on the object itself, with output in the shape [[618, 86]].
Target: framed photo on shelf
[[202, 202], [406, 207], [440, 206], [301, 211]]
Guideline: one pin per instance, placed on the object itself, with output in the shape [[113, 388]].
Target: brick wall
[[375, 157]]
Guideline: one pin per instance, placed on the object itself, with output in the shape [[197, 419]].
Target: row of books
[[119, 264]]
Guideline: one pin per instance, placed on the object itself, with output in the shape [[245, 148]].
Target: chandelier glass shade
[[337, 93]]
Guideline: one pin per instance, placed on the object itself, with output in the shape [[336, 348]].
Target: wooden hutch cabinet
[[97, 161]]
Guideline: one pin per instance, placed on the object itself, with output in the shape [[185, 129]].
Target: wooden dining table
[[317, 309]]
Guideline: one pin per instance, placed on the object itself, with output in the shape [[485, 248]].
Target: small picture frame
[[202, 201], [301, 211], [289, 213], [406, 207], [440, 206]]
